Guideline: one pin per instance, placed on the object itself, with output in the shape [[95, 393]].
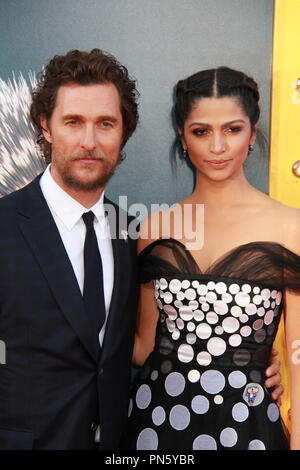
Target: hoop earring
[[251, 148]]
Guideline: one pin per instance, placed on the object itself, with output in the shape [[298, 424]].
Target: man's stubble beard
[[72, 181]]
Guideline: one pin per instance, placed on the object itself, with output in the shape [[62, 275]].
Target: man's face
[[85, 131]]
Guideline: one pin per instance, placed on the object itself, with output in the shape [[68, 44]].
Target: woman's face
[[217, 134]]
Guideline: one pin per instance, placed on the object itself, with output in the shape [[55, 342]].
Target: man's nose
[[88, 140]]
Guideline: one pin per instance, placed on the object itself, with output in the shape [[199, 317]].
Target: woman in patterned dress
[[209, 311]]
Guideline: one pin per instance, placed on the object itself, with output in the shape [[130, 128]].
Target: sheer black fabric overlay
[[266, 263]]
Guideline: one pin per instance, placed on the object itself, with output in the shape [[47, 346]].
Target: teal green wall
[[160, 41]]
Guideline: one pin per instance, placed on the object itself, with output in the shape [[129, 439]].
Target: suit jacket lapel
[[122, 275], [41, 233]]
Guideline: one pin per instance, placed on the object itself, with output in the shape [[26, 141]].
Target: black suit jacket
[[55, 388]]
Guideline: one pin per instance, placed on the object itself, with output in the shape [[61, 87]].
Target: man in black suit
[[68, 326]]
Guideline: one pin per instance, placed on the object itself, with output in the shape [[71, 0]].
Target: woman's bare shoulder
[[289, 219]]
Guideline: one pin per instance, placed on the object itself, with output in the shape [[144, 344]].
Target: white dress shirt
[[67, 214]]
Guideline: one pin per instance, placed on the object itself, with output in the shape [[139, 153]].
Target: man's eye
[[106, 124]]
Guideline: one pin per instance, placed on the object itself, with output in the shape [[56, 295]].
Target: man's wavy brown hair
[[83, 68]]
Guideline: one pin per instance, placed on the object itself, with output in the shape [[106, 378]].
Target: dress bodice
[[202, 387]]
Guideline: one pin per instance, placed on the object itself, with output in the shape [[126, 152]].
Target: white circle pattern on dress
[[237, 379], [242, 299], [256, 444], [185, 353], [193, 304], [204, 442], [218, 399], [176, 334], [211, 297], [200, 404], [228, 437], [191, 338], [212, 381], [216, 346], [198, 315], [179, 417], [219, 330], [236, 311], [202, 289], [185, 284], [235, 340], [186, 313], [189, 308], [246, 331], [163, 284], [170, 311], [250, 309], [230, 324], [266, 294], [191, 326], [221, 287], [220, 307], [174, 384], [147, 440], [204, 358], [246, 288], [234, 288], [212, 318], [273, 412], [190, 294], [175, 286], [143, 396], [203, 331], [226, 297], [194, 375], [240, 412], [158, 416]]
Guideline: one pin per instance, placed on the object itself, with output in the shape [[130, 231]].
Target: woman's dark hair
[[83, 68], [218, 83]]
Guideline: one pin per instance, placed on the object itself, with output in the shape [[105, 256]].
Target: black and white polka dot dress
[[202, 387]]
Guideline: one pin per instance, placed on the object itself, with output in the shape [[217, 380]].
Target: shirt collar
[[66, 208]]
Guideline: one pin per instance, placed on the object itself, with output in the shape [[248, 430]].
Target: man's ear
[[45, 129]]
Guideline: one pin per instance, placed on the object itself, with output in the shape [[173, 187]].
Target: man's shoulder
[[13, 199]]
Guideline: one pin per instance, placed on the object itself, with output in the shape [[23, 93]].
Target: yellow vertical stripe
[[285, 118], [285, 135]]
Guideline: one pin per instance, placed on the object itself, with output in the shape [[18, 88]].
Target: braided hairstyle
[[216, 83]]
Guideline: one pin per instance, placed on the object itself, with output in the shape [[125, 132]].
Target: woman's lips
[[218, 164]]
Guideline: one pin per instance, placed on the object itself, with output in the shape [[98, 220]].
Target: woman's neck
[[222, 194]]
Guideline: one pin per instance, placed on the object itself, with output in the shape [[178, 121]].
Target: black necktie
[[93, 295]]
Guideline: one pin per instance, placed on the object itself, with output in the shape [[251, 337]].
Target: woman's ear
[[45, 129], [181, 138], [253, 134]]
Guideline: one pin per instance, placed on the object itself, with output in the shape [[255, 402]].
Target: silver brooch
[[124, 234]]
